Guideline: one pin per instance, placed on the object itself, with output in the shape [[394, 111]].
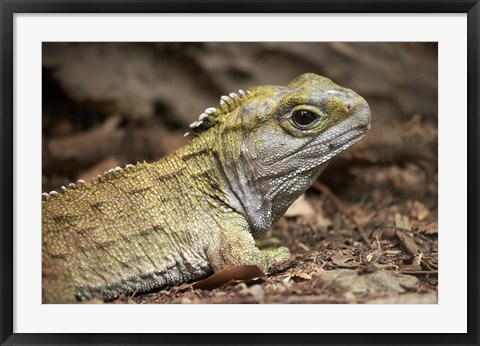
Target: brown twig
[[427, 272], [320, 187], [411, 231], [411, 247]]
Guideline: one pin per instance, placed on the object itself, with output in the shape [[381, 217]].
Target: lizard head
[[274, 142]]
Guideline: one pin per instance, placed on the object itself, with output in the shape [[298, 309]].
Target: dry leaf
[[417, 259], [300, 207], [224, 276], [303, 275], [408, 242], [344, 262], [431, 228], [418, 210]]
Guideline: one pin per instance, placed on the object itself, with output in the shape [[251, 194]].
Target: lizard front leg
[[235, 245]]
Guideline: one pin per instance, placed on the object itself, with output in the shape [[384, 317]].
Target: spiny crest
[[79, 182], [211, 115], [110, 173]]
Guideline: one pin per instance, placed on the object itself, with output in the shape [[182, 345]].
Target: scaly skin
[[199, 209]]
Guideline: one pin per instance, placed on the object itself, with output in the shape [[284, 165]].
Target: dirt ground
[[366, 232]]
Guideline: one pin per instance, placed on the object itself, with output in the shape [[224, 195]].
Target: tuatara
[[198, 210]]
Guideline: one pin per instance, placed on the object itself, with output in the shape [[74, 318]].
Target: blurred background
[[110, 104]]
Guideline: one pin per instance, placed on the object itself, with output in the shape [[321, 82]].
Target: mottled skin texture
[[199, 209]]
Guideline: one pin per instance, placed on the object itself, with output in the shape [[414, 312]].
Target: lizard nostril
[[348, 107]]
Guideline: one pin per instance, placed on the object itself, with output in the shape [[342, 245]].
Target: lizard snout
[[358, 108]]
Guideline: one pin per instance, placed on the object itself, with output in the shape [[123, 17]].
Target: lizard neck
[[264, 200], [262, 194]]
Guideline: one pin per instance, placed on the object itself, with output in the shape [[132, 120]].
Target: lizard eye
[[303, 118]]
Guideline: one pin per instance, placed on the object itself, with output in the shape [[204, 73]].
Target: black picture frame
[[9, 8]]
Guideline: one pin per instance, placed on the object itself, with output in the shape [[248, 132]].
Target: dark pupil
[[303, 117]]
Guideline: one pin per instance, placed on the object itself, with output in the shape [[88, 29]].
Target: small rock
[[380, 281]]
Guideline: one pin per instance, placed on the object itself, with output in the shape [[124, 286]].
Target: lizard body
[[198, 210]]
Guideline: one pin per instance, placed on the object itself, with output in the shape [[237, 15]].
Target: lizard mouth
[[354, 134], [346, 139]]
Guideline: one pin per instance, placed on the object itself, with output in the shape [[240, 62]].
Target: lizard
[[200, 209]]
